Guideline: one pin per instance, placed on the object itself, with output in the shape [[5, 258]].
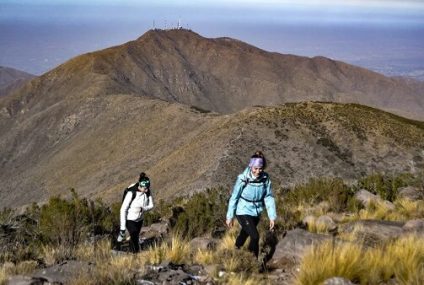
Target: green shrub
[[332, 190], [386, 186], [68, 222], [203, 212]]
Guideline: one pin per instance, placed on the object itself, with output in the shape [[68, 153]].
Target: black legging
[[134, 230], [248, 229]]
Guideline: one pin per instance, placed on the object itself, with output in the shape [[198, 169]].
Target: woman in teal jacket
[[251, 194]]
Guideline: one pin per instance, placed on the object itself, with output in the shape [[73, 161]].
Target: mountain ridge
[[11, 79], [225, 75]]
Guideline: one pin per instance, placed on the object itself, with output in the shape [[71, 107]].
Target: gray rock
[[337, 281], [366, 198], [168, 276], [411, 193], [157, 230], [25, 280], [327, 222], [414, 226], [203, 243], [373, 232], [290, 249], [64, 272]]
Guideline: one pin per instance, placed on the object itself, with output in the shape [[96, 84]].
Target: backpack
[[246, 181], [133, 189]]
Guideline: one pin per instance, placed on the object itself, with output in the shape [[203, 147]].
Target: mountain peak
[[224, 75]]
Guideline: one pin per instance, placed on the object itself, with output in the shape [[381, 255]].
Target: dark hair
[[142, 177], [259, 154]]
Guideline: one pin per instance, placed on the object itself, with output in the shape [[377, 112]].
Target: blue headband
[[256, 162]]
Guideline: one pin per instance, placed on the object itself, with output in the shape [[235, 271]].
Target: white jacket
[[135, 211]]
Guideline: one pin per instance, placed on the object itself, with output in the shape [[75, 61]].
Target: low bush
[[203, 212], [386, 186]]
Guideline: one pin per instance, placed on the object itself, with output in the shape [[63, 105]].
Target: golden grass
[[403, 259], [94, 252], [3, 276], [404, 210], [9, 269], [206, 257], [316, 227], [117, 270], [237, 279], [324, 261], [177, 251], [54, 254], [410, 209], [229, 239]]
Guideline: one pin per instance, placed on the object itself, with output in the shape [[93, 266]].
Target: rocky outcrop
[[289, 250], [411, 193], [373, 232], [366, 198]]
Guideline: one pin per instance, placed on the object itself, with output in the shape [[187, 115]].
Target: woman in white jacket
[[137, 200]]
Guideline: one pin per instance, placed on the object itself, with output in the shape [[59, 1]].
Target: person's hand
[[271, 225], [121, 236], [229, 223]]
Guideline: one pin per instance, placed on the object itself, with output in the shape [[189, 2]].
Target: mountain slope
[[11, 79], [100, 146], [222, 75]]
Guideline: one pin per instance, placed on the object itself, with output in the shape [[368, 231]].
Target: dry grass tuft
[[54, 254], [9, 269], [237, 279], [403, 259], [177, 251], [206, 257], [316, 227], [94, 252], [324, 261], [118, 270]]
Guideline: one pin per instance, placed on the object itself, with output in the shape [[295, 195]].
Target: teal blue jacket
[[241, 199]]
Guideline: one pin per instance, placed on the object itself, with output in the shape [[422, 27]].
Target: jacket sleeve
[[124, 210], [149, 205], [270, 202], [235, 196]]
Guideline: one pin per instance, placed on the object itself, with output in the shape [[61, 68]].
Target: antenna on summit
[[179, 24]]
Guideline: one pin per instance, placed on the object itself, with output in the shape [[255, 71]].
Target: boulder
[[414, 226], [153, 234], [64, 272], [203, 243], [26, 280], [169, 273], [366, 198], [327, 223], [411, 193], [373, 232], [289, 250]]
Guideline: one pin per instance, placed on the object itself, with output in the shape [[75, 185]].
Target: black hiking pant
[[248, 229], [134, 230]]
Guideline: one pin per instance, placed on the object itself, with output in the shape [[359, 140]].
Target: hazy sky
[[383, 35]]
